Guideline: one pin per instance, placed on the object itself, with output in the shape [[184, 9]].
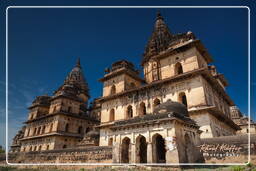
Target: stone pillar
[[172, 155], [116, 158], [133, 153], [149, 153]]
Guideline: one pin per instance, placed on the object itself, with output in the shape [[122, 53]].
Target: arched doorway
[[158, 149], [141, 149], [125, 150]]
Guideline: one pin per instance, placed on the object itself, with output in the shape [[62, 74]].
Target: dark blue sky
[[44, 45]]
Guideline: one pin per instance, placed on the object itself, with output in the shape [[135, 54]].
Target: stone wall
[[228, 149], [76, 155]]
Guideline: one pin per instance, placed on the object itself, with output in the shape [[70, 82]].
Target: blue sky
[[44, 45]]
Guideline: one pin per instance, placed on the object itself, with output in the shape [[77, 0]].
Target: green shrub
[[237, 168]]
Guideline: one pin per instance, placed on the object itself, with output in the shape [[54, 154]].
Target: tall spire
[[159, 39], [76, 80], [78, 63]]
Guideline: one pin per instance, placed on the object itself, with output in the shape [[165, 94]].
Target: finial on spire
[[78, 63], [159, 16]]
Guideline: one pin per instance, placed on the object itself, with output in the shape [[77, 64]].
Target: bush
[[237, 168]]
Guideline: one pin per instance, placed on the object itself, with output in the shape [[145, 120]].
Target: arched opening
[[80, 130], [141, 149], [158, 149], [30, 149], [129, 112], [51, 126], [183, 99], [34, 133], [112, 115], [142, 109], [34, 148], [47, 147], [43, 130], [125, 150], [156, 102], [87, 130], [110, 141], [178, 68], [69, 109], [28, 131], [38, 131], [66, 128], [64, 146], [40, 147], [113, 90]]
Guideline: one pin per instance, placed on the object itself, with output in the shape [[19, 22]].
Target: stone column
[[149, 153], [116, 158], [133, 153]]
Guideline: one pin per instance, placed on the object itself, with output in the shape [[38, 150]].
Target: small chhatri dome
[[171, 107], [42, 100]]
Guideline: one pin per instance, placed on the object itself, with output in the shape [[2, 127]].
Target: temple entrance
[[159, 149], [125, 150], [141, 149]]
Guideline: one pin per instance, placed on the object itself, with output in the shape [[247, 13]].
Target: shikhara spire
[[160, 38], [78, 63], [75, 80]]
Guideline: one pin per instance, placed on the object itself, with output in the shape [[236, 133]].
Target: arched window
[[47, 147], [43, 130], [156, 102], [87, 130], [38, 131], [28, 132], [178, 69], [80, 129], [142, 109], [113, 90], [30, 149], [112, 115], [40, 147], [35, 148], [69, 109], [51, 127], [66, 128], [129, 112], [35, 131], [183, 99], [64, 146]]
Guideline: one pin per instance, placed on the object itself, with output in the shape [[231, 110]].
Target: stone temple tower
[[62, 120]]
